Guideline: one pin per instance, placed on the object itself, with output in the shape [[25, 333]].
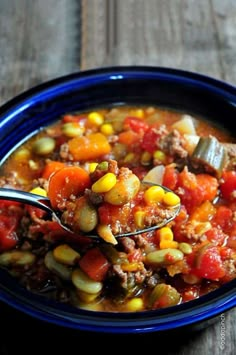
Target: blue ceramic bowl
[[38, 107]]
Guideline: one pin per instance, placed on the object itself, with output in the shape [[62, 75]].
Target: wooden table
[[44, 39]]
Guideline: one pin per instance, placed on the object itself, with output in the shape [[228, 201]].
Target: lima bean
[[17, 257], [123, 191], [164, 256], [83, 283], [56, 267]]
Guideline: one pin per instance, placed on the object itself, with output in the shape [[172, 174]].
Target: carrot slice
[[89, 147], [51, 168], [70, 180]]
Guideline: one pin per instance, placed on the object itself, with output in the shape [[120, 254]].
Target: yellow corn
[[134, 266], [139, 219], [134, 305], [92, 167], [171, 199], [96, 118], [167, 239], [165, 244], [107, 129], [137, 113], [65, 254], [159, 155], [166, 234], [39, 191], [154, 194], [105, 183]]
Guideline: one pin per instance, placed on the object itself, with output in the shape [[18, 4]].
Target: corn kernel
[[139, 219], [171, 199], [134, 305], [92, 167], [107, 129], [154, 194], [65, 254], [39, 191], [133, 266], [165, 244], [105, 183], [159, 155], [137, 113], [166, 234], [96, 118]]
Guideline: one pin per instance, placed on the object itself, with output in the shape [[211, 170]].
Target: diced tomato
[[216, 236], [223, 218], [208, 185], [228, 186], [110, 214], [190, 293], [209, 264], [73, 118], [35, 212], [149, 141], [136, 124], [170, 177], [8, 234], [179, 221], [4, 204], [196, 188], [94, 264]]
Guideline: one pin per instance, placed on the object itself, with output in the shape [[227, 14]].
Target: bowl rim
[[118, 73], [223, 299]]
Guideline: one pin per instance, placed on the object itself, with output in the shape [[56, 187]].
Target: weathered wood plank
[[192, 35], [39, 40]]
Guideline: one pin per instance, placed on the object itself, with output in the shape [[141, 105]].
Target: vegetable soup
[[91, 166]]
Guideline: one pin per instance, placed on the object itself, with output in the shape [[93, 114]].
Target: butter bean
[[44, 146], [17, 258], [83, 283], [123, 191], [59, 269], [164, 256]]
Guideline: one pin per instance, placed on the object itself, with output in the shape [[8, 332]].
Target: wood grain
[[41, 40], [188, 34]]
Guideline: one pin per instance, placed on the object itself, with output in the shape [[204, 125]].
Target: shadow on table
[[21, 334]]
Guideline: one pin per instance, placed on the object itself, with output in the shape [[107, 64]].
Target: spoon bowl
[[43, 203]]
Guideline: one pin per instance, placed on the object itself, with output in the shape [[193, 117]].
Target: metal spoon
[[44, 204]]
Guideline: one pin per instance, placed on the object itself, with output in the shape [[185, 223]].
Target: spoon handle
[[26, 198]]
